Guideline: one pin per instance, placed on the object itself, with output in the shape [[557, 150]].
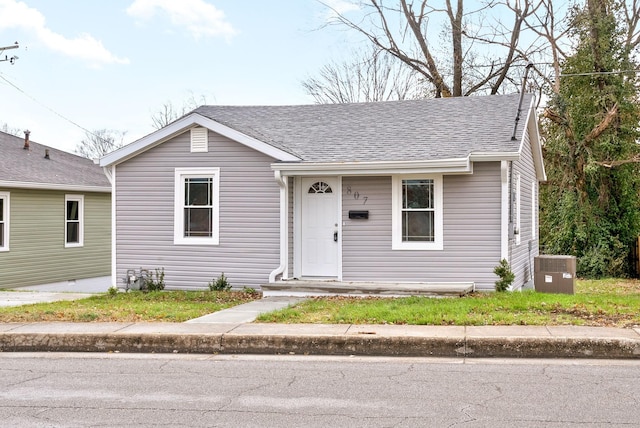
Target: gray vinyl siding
[[471, 221], [37, 253], [249, 215], [522, 255]]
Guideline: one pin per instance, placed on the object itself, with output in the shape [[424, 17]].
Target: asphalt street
[[113, 390]]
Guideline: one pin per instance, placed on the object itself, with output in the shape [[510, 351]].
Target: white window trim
[[5, 215], [80, 200], [178, 218], [396, 214]]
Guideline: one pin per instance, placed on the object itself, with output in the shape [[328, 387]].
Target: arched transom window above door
[[320, 187]]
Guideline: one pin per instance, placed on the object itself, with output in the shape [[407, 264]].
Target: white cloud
[[340, 7], [200, 18], [16, 14]]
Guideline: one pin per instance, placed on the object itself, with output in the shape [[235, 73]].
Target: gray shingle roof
[[30, 166], [431, 129]]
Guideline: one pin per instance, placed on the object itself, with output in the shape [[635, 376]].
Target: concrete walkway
[[67, 290], [88, 285], [248, 312], [19, 298]]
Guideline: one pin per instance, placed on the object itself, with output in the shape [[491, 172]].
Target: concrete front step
[[307, 288]]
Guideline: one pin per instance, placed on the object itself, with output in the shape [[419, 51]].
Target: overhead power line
[[596, 73], [47, 107]]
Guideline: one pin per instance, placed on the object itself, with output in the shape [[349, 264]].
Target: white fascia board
[[446, 166], [180, 126], [494, 156], [534, 140], [50, 186]]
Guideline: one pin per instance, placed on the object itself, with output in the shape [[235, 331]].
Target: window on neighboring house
[[4, 221], [74, 220], [417, 213], [196, 206]]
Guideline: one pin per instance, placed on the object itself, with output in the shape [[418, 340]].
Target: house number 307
[[356, 195]]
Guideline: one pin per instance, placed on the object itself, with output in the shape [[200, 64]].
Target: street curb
[[392, 346], [365, 345], [552, 347]]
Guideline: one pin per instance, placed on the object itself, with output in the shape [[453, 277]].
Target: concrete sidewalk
[[324, 339]]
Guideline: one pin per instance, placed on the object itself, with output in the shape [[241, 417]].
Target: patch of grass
[[611, 302], [135, 306]]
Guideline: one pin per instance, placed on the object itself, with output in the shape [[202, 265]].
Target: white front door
[[320, 240]]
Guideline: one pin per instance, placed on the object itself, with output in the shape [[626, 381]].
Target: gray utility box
[[555, 274]]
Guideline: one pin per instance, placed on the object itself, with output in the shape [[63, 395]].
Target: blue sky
[[113, 63]]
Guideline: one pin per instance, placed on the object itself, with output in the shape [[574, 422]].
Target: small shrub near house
[[506, 275], [220, 284], [154, 281]]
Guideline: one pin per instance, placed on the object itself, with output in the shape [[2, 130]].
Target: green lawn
[[609, 302], [612, 302], [170, 306]]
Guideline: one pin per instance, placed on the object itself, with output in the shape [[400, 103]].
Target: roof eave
[[450, 166], [54, 186], [441, 166], [181, 125], [494, 156]]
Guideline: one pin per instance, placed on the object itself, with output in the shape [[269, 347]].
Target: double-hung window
[[74, 221], [4, 221], [417, 213], [196, 206]]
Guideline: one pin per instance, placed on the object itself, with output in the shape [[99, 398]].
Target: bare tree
[[371, 76], [631, 18], [168, 112], [10, 130], [474, 52], [100, 142]]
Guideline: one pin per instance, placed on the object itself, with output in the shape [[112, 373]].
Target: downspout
[[524, 84], [111, 175], [505, 220], [284, 224]]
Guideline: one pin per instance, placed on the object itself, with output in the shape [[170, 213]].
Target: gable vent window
[[199, 140]]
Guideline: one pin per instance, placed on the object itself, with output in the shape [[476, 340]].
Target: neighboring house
[[422, 191], [55, 215]]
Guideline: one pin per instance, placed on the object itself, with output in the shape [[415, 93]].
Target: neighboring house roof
[[399, 132], [28, 168]]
